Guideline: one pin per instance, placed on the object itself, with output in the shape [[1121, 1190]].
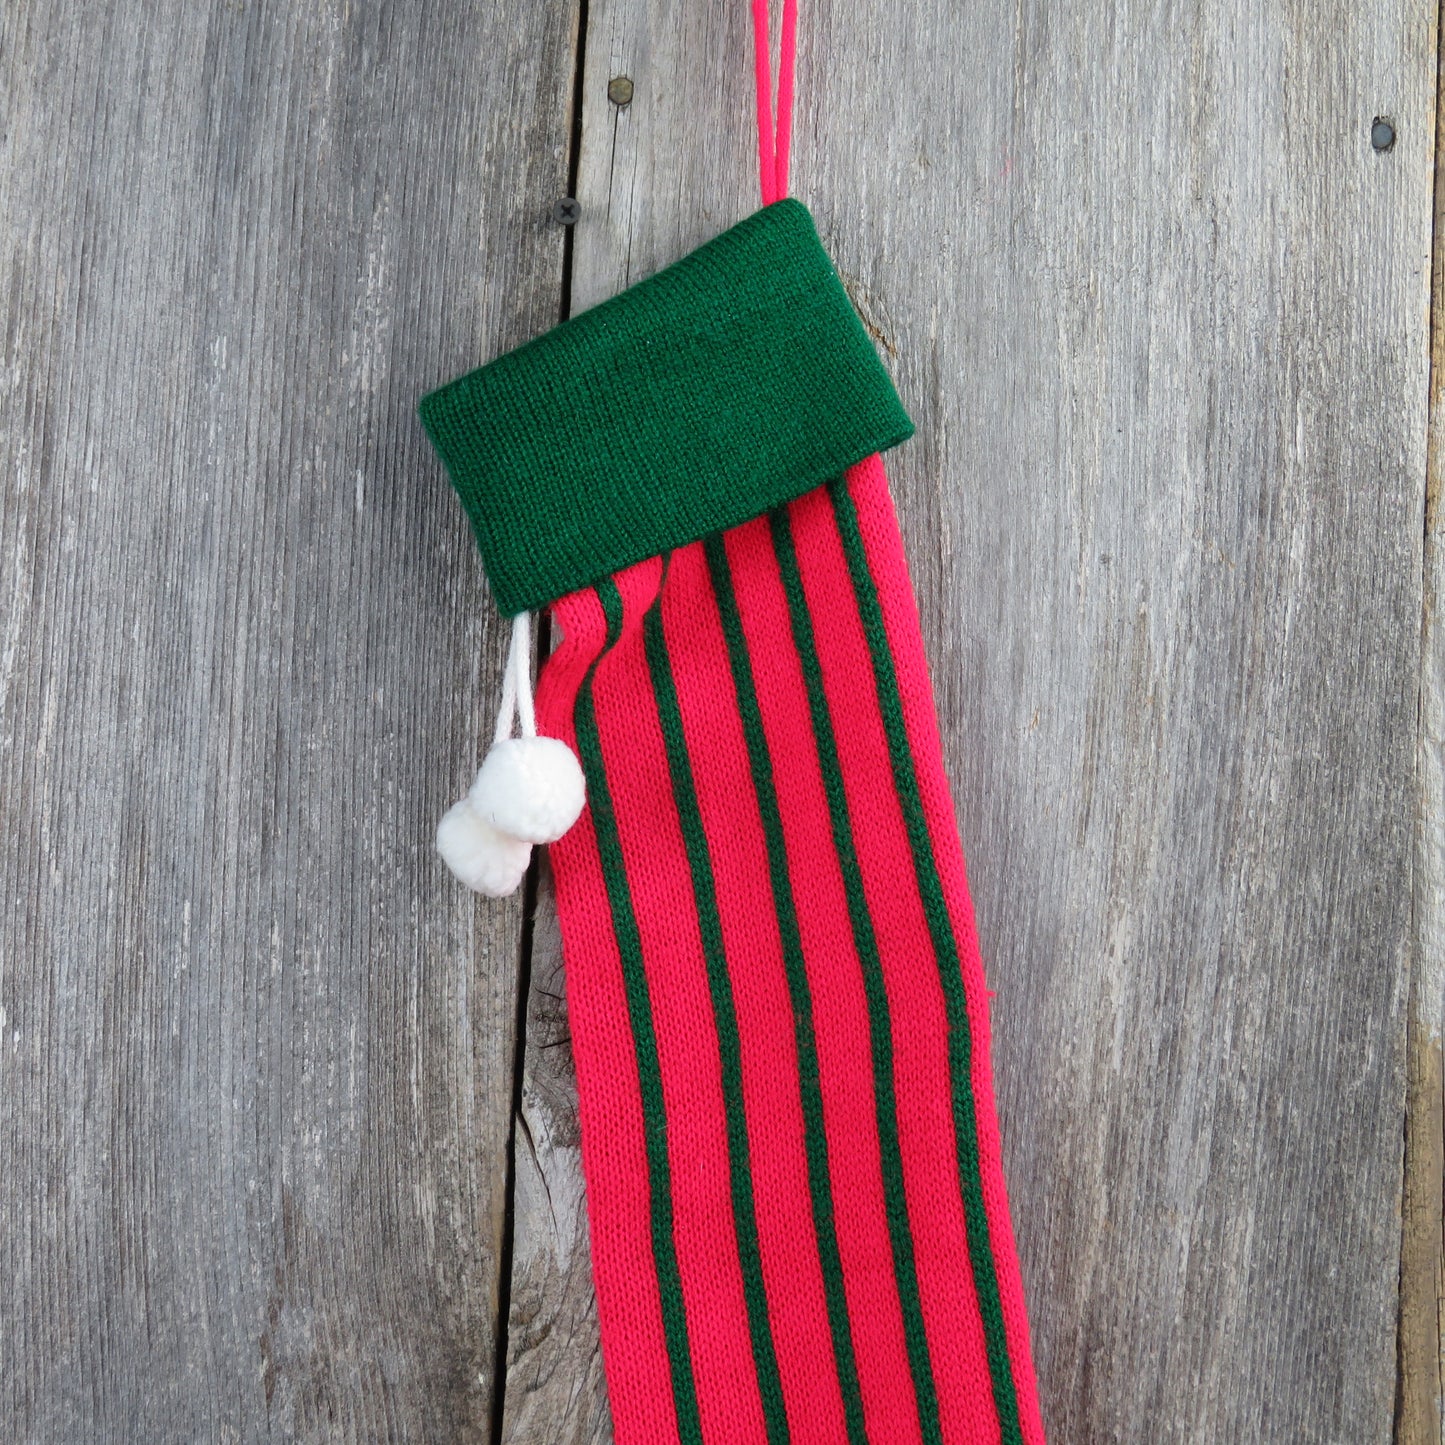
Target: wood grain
[[1194, 352], [256, 1048], [1160, 312]]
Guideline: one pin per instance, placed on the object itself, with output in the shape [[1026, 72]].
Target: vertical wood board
[[255, 1045]]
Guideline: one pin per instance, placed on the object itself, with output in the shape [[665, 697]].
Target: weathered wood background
[[288, 1148]]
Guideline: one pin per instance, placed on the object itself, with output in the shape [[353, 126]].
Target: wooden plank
[[1178, 646], [1159, 310], [254, 1069], [1422, 1285]]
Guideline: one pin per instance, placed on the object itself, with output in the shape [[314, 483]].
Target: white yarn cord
[[522, 653], [517, 682]]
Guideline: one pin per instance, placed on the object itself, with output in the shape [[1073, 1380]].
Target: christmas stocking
[[778, 1012]]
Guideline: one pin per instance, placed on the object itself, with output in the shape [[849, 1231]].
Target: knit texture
[[734, 380], [776, 1001]]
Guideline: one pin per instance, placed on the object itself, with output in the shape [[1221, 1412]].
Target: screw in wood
[[619, 90], [567, 211]]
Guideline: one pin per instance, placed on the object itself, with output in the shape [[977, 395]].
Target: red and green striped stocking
[[777, 1007], [778, 1012]]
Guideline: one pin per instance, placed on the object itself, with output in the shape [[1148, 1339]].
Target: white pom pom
[[484, 859], [530, 787]]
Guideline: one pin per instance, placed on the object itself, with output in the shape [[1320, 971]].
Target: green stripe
[[639, 1009], [814, 1134], [704, 890], [895, 1203], [945, 947]]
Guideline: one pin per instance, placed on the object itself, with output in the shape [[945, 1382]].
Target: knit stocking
[[799, 1229]]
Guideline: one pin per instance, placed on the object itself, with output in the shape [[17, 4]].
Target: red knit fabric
[[774, 1111], [797, 1207], [839, 1006]]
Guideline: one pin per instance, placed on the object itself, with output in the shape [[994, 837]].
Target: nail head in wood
[[619, 90], [1382, 134]]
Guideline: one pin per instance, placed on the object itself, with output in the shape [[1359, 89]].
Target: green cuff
[[735, 380]]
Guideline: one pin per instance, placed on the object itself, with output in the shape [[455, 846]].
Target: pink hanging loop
[[774, 137]]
